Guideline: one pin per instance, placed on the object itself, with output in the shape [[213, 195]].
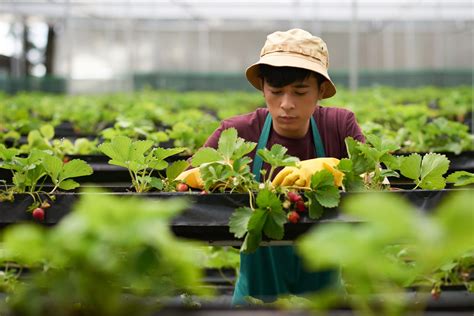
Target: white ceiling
[[246, 10]]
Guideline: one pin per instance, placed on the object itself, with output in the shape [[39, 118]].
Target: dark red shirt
[[334, 125]]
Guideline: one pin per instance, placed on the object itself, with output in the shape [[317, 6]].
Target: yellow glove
[[300, 176], [192, 178]]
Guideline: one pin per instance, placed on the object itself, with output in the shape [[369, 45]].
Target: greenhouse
[[273, 157]]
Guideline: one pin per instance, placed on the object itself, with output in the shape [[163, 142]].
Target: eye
[[275, 92], [300, 93]]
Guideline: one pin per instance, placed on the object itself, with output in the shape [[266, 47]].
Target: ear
[[322, 89]]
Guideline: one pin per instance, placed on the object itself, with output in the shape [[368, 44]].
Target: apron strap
[[318, 142], [263, 139], [262, 143]]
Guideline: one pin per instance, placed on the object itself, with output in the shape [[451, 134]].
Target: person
[[292, 74]]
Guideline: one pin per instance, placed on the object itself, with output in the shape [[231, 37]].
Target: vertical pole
[[354, 49]]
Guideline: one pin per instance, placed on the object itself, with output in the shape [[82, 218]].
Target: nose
[[287, 102]]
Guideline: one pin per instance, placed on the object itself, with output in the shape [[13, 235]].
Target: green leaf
[[205, 155], [175, 169], [277, 157], [268, 200], [156, 183], [163, 153], [47, 131], [326, 192], [138, 149], [257, 220], [273, 227], [53, 166], [242, 148], [434, 165], [118, 149], [460, 178], [75, 168], [251, 242], [328, 196], [410, 166], [239, 220], [322, 178], [68, 184], [227, 142], [314, 207]]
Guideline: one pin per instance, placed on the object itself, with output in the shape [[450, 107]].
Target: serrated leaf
[[314, 207], [138, 149], [460, 178], [227, 142], [328, 196], [175, 169], [277, 157], [52, 166], [156, 183], [251, 242], [158, 164], [68, 184], [118, 149], [434, 165], [273, 227], [410, 166], [268, 200], [322, 178], [75, 168], [432, 182], [163, 153], [205, 155], [257, 220], [242, 148], [239, 220]]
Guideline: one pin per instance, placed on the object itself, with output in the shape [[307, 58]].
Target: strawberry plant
[[227, 167], [142, 160], [30, 173], [137, 259], [399, 248]]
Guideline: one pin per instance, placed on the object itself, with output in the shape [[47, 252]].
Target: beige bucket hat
[[293, 48]]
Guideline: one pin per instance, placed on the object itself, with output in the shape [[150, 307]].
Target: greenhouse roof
[[246, 10]]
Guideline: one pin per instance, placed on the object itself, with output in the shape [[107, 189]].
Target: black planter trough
[[207, 216]]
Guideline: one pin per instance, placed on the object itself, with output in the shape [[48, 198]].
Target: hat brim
[[288, 60]]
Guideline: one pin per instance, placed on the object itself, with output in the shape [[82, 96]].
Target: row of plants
[[271, 207], [423, 119]]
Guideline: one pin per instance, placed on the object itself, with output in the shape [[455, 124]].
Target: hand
[[300, 176], [192, 178]]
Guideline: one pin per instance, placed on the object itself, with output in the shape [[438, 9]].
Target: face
[[291, 106]]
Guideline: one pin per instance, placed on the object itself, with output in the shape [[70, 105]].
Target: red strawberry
[[300, 207], [38, 214], [182, 187], [293, 196], [293, 217]]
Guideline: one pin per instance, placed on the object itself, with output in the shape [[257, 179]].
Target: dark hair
[[281, 76]]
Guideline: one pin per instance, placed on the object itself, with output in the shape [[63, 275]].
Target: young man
[[292, 75]]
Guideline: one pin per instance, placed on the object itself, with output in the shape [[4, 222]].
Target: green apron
[[277, 270]]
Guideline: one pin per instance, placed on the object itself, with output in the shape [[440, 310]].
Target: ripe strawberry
[[182, 187], [38, 214], [293, 217], [293, 196], [300, 206]]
